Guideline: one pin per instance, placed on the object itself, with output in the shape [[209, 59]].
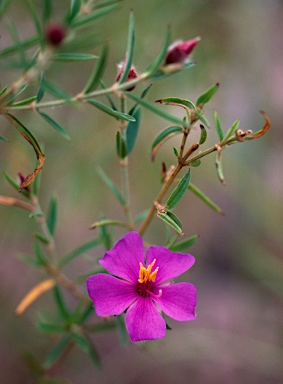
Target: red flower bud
[[179, 51], [131, 75], [55, 34]]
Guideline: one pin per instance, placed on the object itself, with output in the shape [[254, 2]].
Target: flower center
[[146, 280]]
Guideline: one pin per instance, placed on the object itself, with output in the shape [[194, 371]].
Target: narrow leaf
[[74, 9], [47, 10], [29, 100], [172, 220], [200, 117], [24, 44], [58, 92], [218, 126], [218, 164], [130, 49], [179, 191], [87, 346], [121, 146], [132, 130], [39, 254], [159, 60], [94, 79], [42, 238], [122, 329], [206, 96], [184, 244], [203, 135], [184, 103], [162, 137], [3, 139], [101, 223], [41, 89], [134, 108], [30, 261], [52, 328], [35, 18], [61, 304], [83, 21], [110, 111], [111, 185], [231, 130], [51, 217], [55, 125], [157, 111], [57, 351], [205, 198], [78, 252], [66, 57]]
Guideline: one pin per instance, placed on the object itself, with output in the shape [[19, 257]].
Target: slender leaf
[[111, 102], [47, 10], [102, 327], [218, 126], [122, 329], [172, 220], [35, 18], [179, 191], [55, 125], [203, 135], [51, 217], [184, 103], [141, 216], [30, 261], [130, 49], [66, 57], [184, 244], [162, 137], [111, 185], [41, 89], [134, 108], [74, 9], [24, 44], [60, 302], [52, 328], [205, 198], [159, 60], [200, 117], [121, 145], [157, 110], [58, 92], [16, 185], [218, 164], [3, 139], [206, 96], [96, 75], [29, 100], [42, 238], [132, 130], [39, 254], [231, 130], [110, 111], [87, 346], [57, 351], [78, 251], [83, 21], [101, 223]]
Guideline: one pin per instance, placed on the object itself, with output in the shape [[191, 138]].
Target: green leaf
[[42, 260], [58, 92], [159, 60], [196, 163], [218, 164], [107, 326], [141, 216], [110, 111], [231, 130], [206, 96], [57, 351], [41, 89], [30, 261], [162, 137], [47, 10], [218, 126], [84, 20], [29, 100], [24, 44], [60, 302], [51, 217], [74, 10], [122, 329], [132, 130], [94, 79], [87, 346], [35, 18], [111, 185], [203, 135], [184, 103], [55, 125], [184, 244], [111, 102], [78, 251], [130, 49], [179, 191], [104, 222], [200, 117], [16, 185], [157, 111], [66, 57], [42, 238], [134, 108], [205, 198], [3, 139], [52, 328], [121, 146], [172, 220]]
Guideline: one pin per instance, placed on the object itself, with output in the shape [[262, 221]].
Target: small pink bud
[[55, 34], [131, 75], [179, 51]]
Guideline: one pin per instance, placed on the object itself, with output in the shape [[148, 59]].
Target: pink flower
[[55, 34], [180, 50], [131, 75], [140, 285]]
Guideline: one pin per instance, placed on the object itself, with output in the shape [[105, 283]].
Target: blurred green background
[[237, 336]]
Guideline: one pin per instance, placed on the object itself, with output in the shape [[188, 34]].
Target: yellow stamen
[[145, 274]]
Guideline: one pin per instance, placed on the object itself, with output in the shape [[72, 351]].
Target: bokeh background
[[237, 336]]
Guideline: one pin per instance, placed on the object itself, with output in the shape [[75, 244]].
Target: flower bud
[[131, 75], [55, 34], [179, 51]]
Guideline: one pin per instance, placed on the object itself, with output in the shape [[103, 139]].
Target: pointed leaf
[[55, 125], [159, 60], [58, 92], [16, 185], [179, 191], [66, 57], [205, 198], [200, 117], [203, 135], [29, 100], [39, 254], [184, 244], [42, 238], [47, 10], [110, 111], [196, 163], [57, 351], [111, 185], [130, 49], [41, 89], [51, 217], [121, 146], [132, 130], [162, 137], [3, 139], [172, 220], [218, 126], [52, 328], [184, 103], [231, 130], [218, 164], [101, 223], [60, 302], [87, 346], [94, 79], [134, 108], [206, 96], [84, 20], [74, 10], [78, 252], [24, 44], [35, 18], [122, 329]]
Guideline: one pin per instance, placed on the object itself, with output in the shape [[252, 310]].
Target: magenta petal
[[171, 264], [123, 260], [144, 322], [178, 301], [111, 296]]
